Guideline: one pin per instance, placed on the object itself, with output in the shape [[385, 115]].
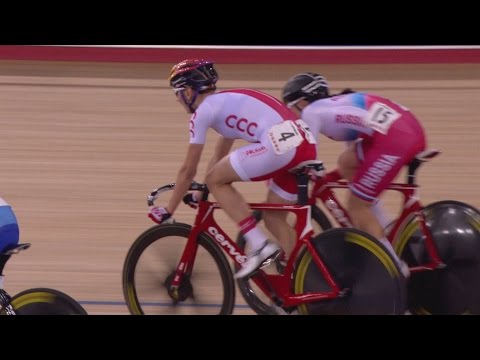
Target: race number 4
[[380, 117], [284, 136]]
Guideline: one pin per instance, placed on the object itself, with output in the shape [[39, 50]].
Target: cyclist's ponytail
[[344, 92]]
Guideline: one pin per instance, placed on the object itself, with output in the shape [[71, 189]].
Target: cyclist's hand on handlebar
[[316, 175], [159, 214], [191, 199]]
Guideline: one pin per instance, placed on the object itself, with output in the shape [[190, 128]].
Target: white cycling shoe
[[281, 311], [258, 259]]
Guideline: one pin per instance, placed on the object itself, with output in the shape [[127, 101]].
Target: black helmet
[[306, 86], [196, 73]]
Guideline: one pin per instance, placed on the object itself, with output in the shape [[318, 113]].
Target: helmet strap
[[192, 101], [298, 108], [295, 102]]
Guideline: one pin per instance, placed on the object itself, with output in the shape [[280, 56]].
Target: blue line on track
[[159, 304]]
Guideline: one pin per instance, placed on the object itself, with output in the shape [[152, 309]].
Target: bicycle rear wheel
[[43, 301], [253, 296], [455, 227], [150, 266], [359, 264]]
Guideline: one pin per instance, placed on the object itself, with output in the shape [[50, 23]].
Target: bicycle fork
[[436, 262], [184, 267]]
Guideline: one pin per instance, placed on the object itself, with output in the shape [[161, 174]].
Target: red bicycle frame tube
[[278, 286], [323, 190]]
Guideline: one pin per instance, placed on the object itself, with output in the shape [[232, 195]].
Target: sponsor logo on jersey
[[349, 119]]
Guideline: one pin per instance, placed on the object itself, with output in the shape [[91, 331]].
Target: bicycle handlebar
[[194, 186]]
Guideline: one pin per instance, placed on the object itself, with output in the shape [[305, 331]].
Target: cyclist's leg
[[254, 162], [359, 205], [382, 215], [379, 160], [244, 164], [219, 181], [363, 218], [348, 166], [283, 189], [359, 209], [276, 221]]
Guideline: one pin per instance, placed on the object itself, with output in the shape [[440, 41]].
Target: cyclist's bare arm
[[185, 176], [222, 148]]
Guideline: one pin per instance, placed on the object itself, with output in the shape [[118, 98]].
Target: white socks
[[390, 249], [381, 214], [255, 239]]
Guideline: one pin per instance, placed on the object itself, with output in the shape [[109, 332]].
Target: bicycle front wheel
[[368, 276], [150, 266], [43, 301]]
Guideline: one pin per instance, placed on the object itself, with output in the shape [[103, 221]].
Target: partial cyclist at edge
[[383, 137], [9, 234], [278, 143]]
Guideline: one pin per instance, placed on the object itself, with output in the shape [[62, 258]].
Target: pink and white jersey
[[238, 114], [391, 136], [351, 116]]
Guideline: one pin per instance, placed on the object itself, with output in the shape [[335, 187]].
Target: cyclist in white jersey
[[278, 143]]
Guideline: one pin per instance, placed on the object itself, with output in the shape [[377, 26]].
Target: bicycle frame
[[277, 287], [5, 303], [412, 208], [5, 298]]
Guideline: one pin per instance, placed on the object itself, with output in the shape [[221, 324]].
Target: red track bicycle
[[178, 268], [440, 242]]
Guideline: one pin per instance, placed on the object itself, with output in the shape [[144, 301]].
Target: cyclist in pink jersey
[[278, 143], [383, 136]]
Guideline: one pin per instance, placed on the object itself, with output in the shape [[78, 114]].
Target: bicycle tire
[[454, 289], [177, 230], [44, 301], [259, 306], [361, 265]]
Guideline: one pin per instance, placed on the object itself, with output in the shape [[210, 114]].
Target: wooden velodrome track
[[83, 144]]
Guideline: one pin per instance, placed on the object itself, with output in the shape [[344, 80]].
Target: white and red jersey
[[358, 115], [238, 114], [279, 141]]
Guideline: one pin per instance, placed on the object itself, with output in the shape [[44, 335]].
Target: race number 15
[[380, 117]]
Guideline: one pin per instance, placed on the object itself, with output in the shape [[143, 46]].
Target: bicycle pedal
[[270, 260]]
